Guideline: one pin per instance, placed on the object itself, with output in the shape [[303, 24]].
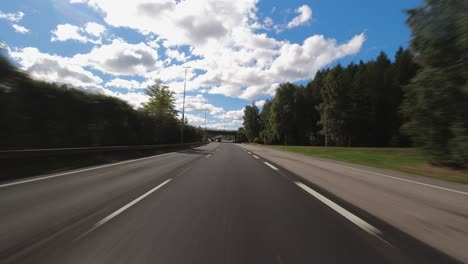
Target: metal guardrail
[[24, 153]]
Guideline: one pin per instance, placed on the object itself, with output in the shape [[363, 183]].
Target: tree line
[[38, 114], [357, 105], [418, 99]]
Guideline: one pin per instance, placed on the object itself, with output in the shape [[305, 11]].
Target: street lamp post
[[183, 105], [326, 129], [205, 135]]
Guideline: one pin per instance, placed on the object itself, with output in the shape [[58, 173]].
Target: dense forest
[[418, 99], [37, 114], [357, 105]]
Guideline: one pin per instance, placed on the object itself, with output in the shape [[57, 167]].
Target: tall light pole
[[205, 120], [205, 135], [183, 105], [326, 129]]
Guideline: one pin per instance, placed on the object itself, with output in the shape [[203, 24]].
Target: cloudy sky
[[238, 51]]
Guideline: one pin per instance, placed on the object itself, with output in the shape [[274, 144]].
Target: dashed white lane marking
[[121, 210], [249, 152], [348, 215], [83, 170], [255, 156], [271, 166], [207, 156]]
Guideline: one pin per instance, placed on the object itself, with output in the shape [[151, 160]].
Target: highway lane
[[430, 210], [213, 204], [32, 211]]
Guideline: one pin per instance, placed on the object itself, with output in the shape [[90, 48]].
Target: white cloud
[[95, 29], [195, 119], [227, 54], [20, 29], [198, 103], [260, 103], [268, 22], [230, 120], [171, 74], [12, 17], [300, 62], [304, 15], [177, 55], [153, 43], [121, 58], [63, 70], [55, 68], [231, 57], [126, 84], [133, 98], [233, 125], [233, 115], [66, 32], [295, 62], [69, 71]]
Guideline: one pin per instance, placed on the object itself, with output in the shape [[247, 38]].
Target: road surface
[[213, 204], [431, 210]]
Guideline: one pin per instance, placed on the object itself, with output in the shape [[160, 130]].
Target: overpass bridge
[[221, 132]]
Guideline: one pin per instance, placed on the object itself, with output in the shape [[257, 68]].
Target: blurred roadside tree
[[38, 114], [161, 102], [268, 134], [252, 122], [436, 100], [161, 109], [240, 134]]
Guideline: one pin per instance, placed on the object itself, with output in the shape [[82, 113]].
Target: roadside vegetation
[[37, 114], [406, 160], [419, 99]]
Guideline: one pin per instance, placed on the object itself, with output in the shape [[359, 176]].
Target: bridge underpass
[[218, 133]]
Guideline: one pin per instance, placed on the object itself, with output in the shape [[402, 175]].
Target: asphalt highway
[[216, 204]]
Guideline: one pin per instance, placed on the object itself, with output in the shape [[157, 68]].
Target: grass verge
[[407, 160]]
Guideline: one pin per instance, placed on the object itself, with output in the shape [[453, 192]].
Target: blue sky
[[238, 51]]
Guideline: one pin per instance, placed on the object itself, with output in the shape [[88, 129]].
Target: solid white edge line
[[400, 179], [255, 156], [271, 166], [397, 178], [348, 215], [114, 214], [82, 170]]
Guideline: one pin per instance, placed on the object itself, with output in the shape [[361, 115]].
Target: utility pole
[[326, 130], [183, 105], [205, 134]]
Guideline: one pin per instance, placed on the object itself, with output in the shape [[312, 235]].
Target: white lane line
[[255, 156], [271, 166], [114, 214], [400, 179], [83, 170], [348, 215], [207, 156], [249, 153]]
